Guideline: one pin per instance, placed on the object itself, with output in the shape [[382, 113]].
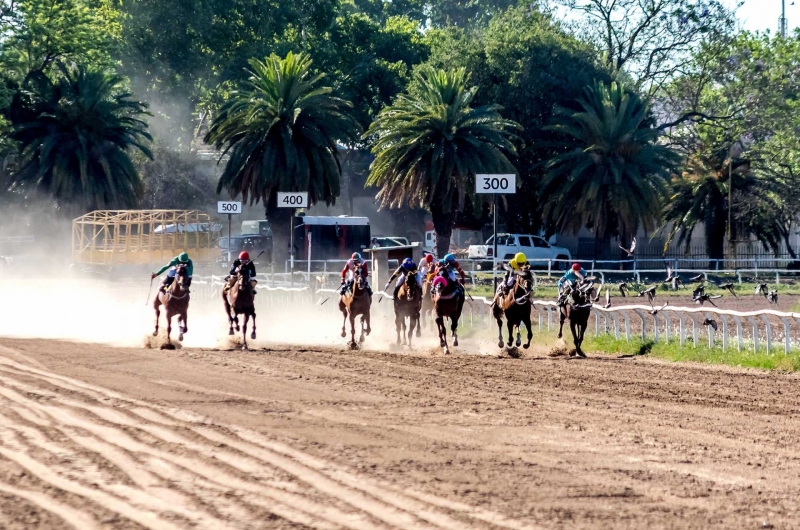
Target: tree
[[76, 136], [430, 143], [651, 41], [612, 174], [281, 131], [525, 62]]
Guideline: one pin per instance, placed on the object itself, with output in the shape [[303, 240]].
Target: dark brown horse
[[239, 300], [576, 303], [356, 301], [176, 303], [407, 305], [516, 307], [448, 302]]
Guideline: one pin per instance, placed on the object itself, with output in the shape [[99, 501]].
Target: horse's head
[[181, 276], [360, 282], [244, 278]]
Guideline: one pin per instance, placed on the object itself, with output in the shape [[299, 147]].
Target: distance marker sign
[[496, 184], [229, 207], [295, 199]]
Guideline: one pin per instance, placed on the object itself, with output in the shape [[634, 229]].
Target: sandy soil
[[103, 437]]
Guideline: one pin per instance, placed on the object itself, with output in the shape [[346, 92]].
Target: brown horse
[[576, 305], [516, 306], [175, 301], [448, 302], [407, 305], [356, 301], [426, 312], [239, 300]]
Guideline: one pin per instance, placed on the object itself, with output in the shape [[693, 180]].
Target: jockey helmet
[[520, 259], [450, 258], [408, 264], [244, 255], [183, 257], [356, 256], [429, 258], [576, 267]]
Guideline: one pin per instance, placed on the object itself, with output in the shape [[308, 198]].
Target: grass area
[[673, 351]]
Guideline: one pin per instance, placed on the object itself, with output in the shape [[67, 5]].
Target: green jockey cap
[[183, 257]]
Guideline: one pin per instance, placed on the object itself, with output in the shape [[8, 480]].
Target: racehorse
[[407, 305], [448, 301], [576, 304], [356, 301], [175, 301], [516, 306], [426, 313], [239, 300]]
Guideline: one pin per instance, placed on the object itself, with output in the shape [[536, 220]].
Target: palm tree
[[281, 132], [700, 195], [75, 138], [430, 144], [612, 175]]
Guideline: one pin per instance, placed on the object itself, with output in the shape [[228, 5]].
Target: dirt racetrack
[[104, 437]]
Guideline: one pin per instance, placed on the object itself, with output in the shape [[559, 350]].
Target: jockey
[[426, 267], [517, 264], [449, 265], [354, 264], [407, 267], [242, 264], [180, 259], [576, 274]]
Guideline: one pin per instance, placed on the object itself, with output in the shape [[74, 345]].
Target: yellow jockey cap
[[519, 260]]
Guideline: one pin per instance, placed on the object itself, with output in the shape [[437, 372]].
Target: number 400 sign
[[298, 199], [496, 183]]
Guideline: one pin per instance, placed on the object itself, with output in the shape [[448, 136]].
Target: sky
[[759, 15]]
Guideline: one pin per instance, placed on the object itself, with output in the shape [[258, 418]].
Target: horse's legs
[[253, 334], [158, 314], [454, 329], [519, 335], [366, 318], [398, 323], [412, 323], [352, 330], [228, 313], [527, 321], [581, 333], [442, 332], [562, 317], [343, 309], [185, 318], [510, 327], [181, 325], [245, 320], [169, 315], [499, 330], [361, 337]]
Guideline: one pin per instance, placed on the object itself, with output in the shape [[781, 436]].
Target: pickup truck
[[535, 248]]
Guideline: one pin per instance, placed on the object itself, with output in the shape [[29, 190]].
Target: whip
[[149, 290]]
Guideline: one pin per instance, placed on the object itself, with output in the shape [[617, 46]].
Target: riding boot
[[369, 290]]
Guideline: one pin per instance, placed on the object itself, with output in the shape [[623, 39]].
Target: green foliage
[[75, 138], [44, 32], [612, 174], [526, 63], [281, 132], [430, 143]]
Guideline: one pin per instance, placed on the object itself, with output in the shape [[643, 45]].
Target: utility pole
[[782, 22]]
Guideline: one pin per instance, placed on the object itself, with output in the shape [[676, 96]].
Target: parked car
[[460, 240], [535, 248], [391, 241], [253, 244]]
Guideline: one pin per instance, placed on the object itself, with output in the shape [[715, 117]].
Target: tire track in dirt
[[117, 429]]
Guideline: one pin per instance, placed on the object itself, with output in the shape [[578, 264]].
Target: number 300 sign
[[495, 183]]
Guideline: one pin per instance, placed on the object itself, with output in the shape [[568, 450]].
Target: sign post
[[231, 208], [495, 185], [293, 200]]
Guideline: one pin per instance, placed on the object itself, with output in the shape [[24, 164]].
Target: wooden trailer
[[138, 237]]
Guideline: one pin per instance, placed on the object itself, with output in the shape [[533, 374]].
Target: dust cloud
[[114, 312]]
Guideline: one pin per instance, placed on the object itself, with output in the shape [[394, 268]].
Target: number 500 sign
[[495, 183]]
